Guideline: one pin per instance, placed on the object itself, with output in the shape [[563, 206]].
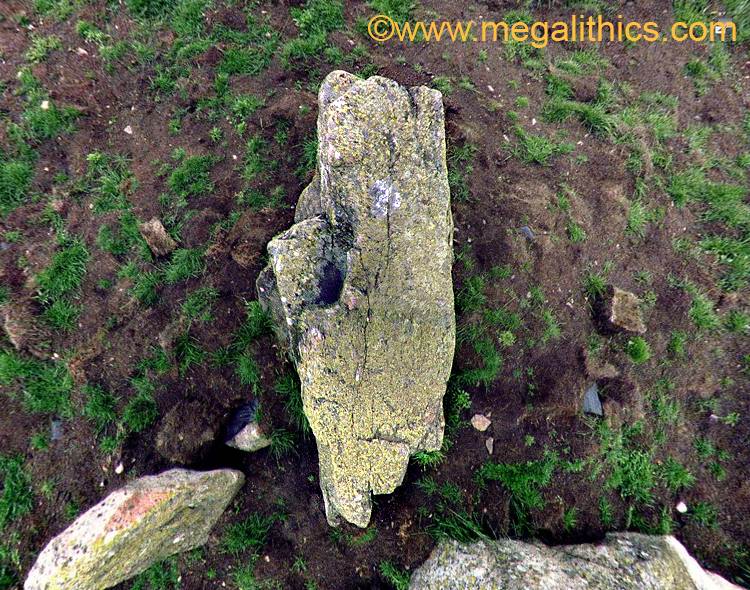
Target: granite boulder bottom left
[[148, 520]]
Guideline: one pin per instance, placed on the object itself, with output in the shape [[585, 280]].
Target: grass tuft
[[248, 534], [17, 499]]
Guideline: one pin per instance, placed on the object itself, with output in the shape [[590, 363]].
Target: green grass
[[10, 565], [17, 498], [64, 275], [456, 524], [704, 514], [188, 352], [460, 159], [490, 363], [197, 305], [594, 284], [570, 518], [471, 297], [15, 183], [593, 116], [676, 477], [287, 386], [40, 47], [145, 286], [638, 217], [315, 20], [192, 177], [40, 124], [702, 311], [256, 159], [638, 350], [581, 62], [740, 12], [363, 538], [123, 237], [247, 535], [283, 443], [309, 160], [632, 472], [185, 264], [109, 181], [552, 329], [428, 459], [100, 407], [247, 371], [734, 255], [141, 410], [395, 576], [737, 322], [538, 149], [398, 10], [576, 233], [62, 315], [164, 575], [59, 10], [524, 482], [46, 386]]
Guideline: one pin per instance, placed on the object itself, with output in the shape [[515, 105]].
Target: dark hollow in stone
[[331, 283]]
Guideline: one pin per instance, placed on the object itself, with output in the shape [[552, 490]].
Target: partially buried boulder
[[624, 561], [143, 523], [157, 238], [621, 311], [361, 288]]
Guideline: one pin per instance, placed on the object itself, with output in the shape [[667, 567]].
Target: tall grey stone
[[361, 291]]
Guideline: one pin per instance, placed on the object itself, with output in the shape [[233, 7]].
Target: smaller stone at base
[[250, 438]]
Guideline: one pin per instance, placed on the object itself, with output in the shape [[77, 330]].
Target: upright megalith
[[361, 287]]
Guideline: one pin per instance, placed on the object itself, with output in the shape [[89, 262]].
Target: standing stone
[[145, 522], [624, 561], [361, 288]]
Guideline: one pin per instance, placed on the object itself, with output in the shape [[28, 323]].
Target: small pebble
[[490, 444], [128, 130], [120, 468], [45, 105], [480, 422], [57, 430], [681, 507], [526, 231]]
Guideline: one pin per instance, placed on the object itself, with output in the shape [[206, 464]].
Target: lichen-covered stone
[[624, 561], [157, 238], [361, 290], [143, 523], [623, 310]]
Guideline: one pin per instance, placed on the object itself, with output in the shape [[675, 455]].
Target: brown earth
[[539, 390]]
